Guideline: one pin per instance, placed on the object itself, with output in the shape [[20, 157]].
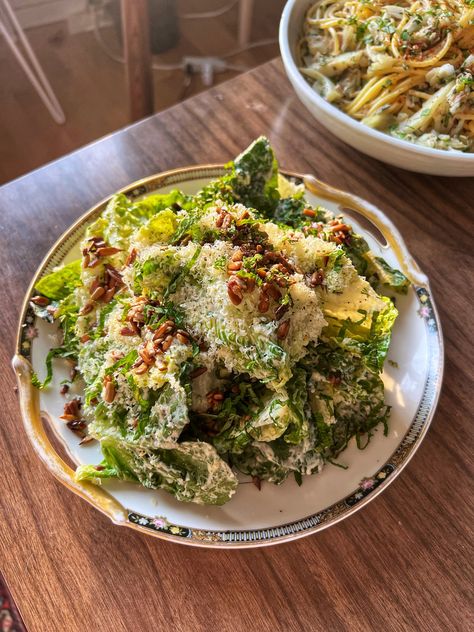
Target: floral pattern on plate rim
[[367, 486]]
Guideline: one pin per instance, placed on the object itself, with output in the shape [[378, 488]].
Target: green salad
[[238, 329]]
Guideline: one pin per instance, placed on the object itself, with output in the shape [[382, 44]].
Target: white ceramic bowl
[[370, 141]]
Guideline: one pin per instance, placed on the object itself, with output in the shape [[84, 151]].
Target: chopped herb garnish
[[237, 327]]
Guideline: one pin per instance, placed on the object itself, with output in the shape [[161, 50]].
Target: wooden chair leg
[[245, 21], [135, 26], [20, 46]]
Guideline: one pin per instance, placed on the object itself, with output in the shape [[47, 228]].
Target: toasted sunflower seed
[[97, 293], [41, 301], [283, 329], [197, 372]]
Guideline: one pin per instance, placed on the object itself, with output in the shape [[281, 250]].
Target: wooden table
[[402, 563]]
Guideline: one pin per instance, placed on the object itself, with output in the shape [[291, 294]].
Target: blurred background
[[79, 46]]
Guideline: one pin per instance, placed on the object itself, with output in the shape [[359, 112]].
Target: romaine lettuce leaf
[[289, 188], [254, 354], [122, 217], [162, 274], [92, 360], [153, 276], [61, 282], [272, 420], [167, 417], [191, 471], [369, 336], [254, 178], [233, 438], [357, 317], [143, 415], [283, 413], [276, 460], [346, 397], [298, 428], [230, 425], [375, 350], [67, 313], [158, 229], [385, 275], [152, 204], [376, 270], [117, 463], [116, 223]]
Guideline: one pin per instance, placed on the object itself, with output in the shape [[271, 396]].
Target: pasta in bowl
[[402, 69]]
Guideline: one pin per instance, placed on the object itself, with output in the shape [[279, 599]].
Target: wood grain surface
[[402, 563]]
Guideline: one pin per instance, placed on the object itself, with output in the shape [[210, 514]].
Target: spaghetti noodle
[[405, 67]]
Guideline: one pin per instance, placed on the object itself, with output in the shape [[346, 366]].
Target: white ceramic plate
[[412, 380]]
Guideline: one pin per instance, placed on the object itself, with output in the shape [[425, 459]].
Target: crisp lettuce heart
[[236, 329]]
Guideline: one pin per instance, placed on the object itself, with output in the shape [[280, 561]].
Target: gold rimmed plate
[[274, 514]]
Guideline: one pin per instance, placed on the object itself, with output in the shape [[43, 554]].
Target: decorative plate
[[412, 379]]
